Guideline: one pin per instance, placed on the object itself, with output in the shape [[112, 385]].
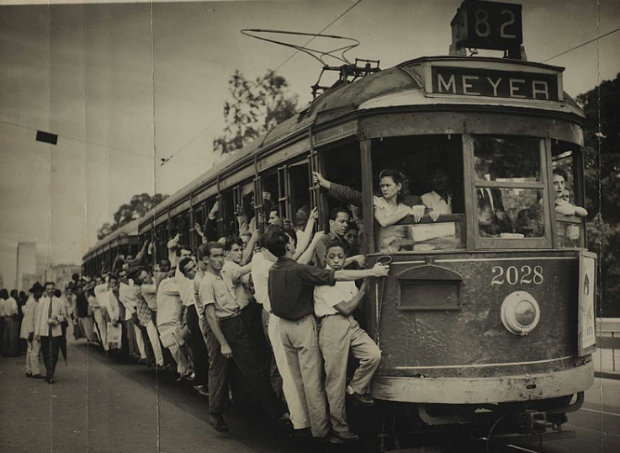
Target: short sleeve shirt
[[437, 203], [327, 297], [291, 287], [260, 277], [220, 291]]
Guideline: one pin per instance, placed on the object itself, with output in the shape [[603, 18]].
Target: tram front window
[[509, 187], [418, 184]]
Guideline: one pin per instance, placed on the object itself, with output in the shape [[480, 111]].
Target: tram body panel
[[444, 340]]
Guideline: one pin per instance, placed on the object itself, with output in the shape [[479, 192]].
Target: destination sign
[[487, 25], [496, 84]]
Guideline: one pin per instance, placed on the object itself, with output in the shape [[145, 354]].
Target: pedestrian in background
[[50, 313], [27, 332], [11, 326]]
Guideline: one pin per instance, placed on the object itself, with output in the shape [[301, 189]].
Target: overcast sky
[[125, 85]]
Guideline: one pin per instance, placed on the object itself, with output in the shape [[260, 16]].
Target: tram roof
[[398, 86], [130, 229]]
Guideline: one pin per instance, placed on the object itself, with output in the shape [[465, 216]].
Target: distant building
[[61, 274], [26, 263], [28, 280]]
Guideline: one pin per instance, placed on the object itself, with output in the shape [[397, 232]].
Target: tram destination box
[[487, 25]]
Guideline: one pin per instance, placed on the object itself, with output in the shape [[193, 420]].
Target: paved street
[[101, 405]]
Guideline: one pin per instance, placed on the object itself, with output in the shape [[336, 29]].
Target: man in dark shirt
[[291, 287]]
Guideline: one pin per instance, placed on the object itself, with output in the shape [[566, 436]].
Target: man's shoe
[[28, 374], [284, 423], [202, 389], [302, 433], [355, 399], [37, 376], [183, 377], [218, 423], [50, 380], [347, 436], [331, 438], [141, 361]]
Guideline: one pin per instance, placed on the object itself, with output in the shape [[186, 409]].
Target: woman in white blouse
[[390, 209]]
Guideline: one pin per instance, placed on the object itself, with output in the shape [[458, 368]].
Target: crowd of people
[[264, 317]]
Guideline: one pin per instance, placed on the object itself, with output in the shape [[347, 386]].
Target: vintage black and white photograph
[[336, 226]]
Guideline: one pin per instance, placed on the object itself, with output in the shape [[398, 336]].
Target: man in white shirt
[[339, 335], [50, 313], [134, 335], [195, 342], [261, 263], [27, 332], [11, 325], [140, 278], [169, 317], [109, 310]]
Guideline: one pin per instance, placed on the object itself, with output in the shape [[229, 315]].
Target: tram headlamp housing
[[520, 313]]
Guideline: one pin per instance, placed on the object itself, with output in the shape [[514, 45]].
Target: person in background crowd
[[83, 315], [274, 216], [21, 304], [291, 287], [439, 199], [195, 340], [94, 309], [135, 342], [4, 295], [141, 277], [27, 332], [110, 312], [339, 336], [69, 298], [50, 313], [11, 326], [169, 318]]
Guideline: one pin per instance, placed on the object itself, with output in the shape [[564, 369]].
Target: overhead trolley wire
[[581, 45], [314, 35]]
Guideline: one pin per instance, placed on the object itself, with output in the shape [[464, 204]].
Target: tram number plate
[[517, 275]]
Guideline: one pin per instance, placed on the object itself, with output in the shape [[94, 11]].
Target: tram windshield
[[509, 187]]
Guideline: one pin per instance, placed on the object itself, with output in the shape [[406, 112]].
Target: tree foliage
[[135, 209], [602, 167], [256, 107]]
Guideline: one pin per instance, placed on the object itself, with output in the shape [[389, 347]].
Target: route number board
[[487, 25]]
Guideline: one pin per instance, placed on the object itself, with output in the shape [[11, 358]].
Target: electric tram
[[486, 327]]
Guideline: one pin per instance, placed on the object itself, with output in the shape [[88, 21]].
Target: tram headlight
[[520, 313]]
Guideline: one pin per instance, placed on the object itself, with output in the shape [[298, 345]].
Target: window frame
[[474, 240], [578, 175]]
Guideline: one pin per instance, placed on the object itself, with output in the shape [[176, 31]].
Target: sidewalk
[[606, 364]]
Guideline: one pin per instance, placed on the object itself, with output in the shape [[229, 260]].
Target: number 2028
[[514, 275]]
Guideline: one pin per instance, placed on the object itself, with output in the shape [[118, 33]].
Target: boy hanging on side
[[340, 333]]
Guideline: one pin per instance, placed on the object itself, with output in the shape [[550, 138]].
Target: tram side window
[[509, 187], [273, 211], [568, 207], [427, 214], [286, 198], [342, 183]]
